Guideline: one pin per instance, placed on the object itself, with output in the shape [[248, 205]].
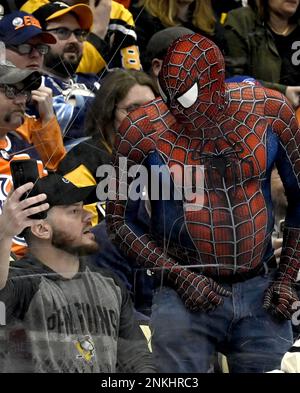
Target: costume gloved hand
[[199, 293], [279, 299]]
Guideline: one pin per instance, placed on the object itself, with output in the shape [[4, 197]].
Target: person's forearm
[[101, 14], [5, 247], [49, 143]]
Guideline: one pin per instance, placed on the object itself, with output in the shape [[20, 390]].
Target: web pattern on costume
[[192, 61], [231, 232]]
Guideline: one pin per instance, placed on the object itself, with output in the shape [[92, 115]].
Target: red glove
[[279, 299], [199, 293]]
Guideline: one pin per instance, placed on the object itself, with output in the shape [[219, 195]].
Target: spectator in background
[[157, 48], [72, 92], [262, 43], [25, 47], [112, 41], [121, 92], [152, 16], [113, 37], [70, 26], [25, 42], [63, 315]]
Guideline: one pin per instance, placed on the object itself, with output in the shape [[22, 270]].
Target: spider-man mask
[[191, 81]]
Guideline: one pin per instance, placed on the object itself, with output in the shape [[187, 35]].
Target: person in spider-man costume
[[216, 292]]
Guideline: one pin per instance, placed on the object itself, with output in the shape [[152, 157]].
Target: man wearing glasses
[[70, 26], [17, 87], [58, 58], [26, 46]]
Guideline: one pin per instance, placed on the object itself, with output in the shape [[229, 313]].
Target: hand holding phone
[[25, 171], [19, 214]]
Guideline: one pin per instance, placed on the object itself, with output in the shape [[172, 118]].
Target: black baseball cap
[[160, 41], [60, 191]]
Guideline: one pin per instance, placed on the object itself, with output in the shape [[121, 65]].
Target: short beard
[[59, 66], [63, 242]]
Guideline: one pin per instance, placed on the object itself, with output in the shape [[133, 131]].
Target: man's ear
[[42, 230], [156, 66]]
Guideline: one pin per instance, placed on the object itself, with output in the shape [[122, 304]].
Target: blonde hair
[[166, 11]]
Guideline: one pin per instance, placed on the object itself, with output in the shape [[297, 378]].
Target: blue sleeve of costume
[[291, 186]]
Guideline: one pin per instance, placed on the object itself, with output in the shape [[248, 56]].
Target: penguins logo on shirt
[[86, 348]]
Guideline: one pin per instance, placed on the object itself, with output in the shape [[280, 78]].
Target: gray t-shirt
[[84, 324]]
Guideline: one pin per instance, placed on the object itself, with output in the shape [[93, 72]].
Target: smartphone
[[25, 171]]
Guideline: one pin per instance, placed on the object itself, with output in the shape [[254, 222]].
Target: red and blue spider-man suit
[[238, 132]]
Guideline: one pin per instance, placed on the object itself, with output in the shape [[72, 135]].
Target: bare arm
[[101, 12]]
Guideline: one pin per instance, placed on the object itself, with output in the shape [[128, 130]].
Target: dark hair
[[114, 88], [27, 234], [262, 8], [12, 5]]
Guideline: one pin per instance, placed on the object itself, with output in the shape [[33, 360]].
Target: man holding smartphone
[[63, 314], [16, 87], [25, 46]]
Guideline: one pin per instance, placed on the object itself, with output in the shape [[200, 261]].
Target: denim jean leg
[[258, 340], [182, 341]]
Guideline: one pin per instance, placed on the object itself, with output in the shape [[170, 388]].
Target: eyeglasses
[[128, 108], [11, 92], [63, 33], [26, 49]]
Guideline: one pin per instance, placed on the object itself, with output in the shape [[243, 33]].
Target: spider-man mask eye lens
[[189, 97]]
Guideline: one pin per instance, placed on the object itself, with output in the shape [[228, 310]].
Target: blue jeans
[[251, 338]]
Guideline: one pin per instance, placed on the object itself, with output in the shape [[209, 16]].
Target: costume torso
[[231, 230], [237, 132]]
